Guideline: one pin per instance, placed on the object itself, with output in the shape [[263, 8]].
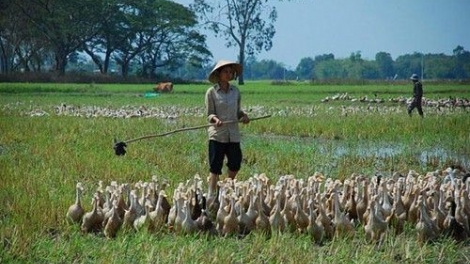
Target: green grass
[[42, 157]]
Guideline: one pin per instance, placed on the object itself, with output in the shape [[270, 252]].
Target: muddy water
[[378, 150]]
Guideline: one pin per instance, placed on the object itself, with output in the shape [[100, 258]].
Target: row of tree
[[327, 67], [429, 66], [38, 35], [155, 38]]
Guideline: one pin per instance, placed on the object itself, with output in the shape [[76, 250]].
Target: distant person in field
[[417, 95], [222, 103]]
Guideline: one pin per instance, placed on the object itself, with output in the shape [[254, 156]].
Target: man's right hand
[[217, 122]]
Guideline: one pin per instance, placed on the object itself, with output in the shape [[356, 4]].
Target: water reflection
[[379, 150]]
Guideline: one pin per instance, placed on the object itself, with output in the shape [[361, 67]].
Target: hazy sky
[[306, 28]]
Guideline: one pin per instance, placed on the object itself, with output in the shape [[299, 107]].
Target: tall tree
[[305, 68], [65, 25], [246, 24], [174, 39], [462, 62], [113, 31], [407, 64], [330, 69], [439, 66], [268, 69], [20, 47], [6, 33], [157, 33], [353, 65], [324, 57], [384, 63]]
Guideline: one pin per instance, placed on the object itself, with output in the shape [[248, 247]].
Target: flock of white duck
[[436, 204], [449, 102], [438, 106]]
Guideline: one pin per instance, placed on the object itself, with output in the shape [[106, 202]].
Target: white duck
[[76, 211]]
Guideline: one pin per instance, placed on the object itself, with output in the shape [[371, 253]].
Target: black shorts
[[218, 151]]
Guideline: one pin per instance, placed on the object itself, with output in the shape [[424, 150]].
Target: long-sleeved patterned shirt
[[226, 107]]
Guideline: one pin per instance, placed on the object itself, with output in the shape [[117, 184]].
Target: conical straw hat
[[214, 75], [414, 77]]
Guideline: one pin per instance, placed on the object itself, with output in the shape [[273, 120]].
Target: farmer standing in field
[[222, 102], [417, 95]]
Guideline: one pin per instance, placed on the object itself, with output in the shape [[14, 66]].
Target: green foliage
[[385, 65], [161, 40], [145, 34], [245, 24]]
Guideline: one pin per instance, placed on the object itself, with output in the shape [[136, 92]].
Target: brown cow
[[164, 87]]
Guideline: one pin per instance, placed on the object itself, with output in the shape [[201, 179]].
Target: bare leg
[[232, 174], [213, 179]]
